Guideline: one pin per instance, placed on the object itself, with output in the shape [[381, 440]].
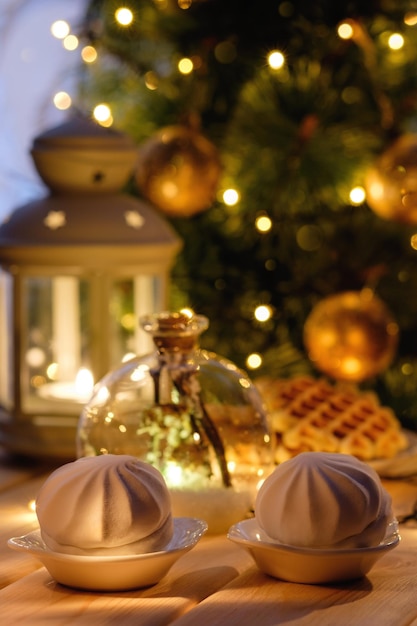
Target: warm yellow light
[[62, 100], [102, 114], [376, 190], [151, 81], [276, 59], [128, 321], [108, 122], [84, 382], [70, 43], [231, 466], [37, 381], [357, 195], [174, 475], [262, 313], [413, 241], [124, 16], [351, 365], [32, 505], [89, 54], [140, 373], [407, 369], [231, 197], [185, 4], [187, 312], [263, 223], [410, 19], [60, 29], [185, 66], [254, 361], [345, 31], [52, 371], [396, 41], [35, 357]]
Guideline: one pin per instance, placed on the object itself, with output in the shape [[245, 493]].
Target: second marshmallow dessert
[[324, 500], [109, 504]]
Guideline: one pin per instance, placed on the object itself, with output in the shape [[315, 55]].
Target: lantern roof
[[89, 230], [86, 220], [80, 156], [82, 131]]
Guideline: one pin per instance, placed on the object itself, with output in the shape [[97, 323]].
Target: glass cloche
[[190, 413]]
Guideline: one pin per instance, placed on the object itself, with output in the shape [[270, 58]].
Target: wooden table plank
[[14, 471], [17, 519], [404, 495], [387, 597], [212, 564]]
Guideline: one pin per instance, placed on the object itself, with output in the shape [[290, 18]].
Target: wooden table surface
[[216, 583]]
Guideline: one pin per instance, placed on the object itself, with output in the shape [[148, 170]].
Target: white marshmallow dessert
[[324, 500], [102, 505]]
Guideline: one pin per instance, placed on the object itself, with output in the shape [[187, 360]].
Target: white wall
[[33, 67]]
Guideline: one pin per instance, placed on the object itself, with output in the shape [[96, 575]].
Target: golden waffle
[[312, 415]]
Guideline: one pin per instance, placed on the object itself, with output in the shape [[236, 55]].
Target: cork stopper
[[174, 331]]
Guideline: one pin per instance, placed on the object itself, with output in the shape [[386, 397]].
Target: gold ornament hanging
[[351, 336], [179, 171], [391, 184]]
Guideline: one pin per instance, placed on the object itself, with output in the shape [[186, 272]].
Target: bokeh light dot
[[254, 361], [396, 41], [357, 195], [276, 60], [263, 223], [124, 16], [345, 30], [185, 66], [89, 54], [102, 113], [62, 100], [263, 313], [230, 197], [410, 19], [60, 29], [70, 43]]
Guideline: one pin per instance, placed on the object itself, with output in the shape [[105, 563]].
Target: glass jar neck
[[174, 333]]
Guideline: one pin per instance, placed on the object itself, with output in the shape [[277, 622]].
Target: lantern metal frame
[[99, 238]]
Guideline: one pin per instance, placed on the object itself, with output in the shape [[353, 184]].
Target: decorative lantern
[[80, 266]]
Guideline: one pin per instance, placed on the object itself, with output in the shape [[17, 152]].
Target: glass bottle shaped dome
[[190, 413]]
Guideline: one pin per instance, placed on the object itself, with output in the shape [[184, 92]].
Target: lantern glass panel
[[55, 348], [132, 298]]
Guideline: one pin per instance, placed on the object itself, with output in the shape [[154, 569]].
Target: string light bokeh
[[393, 45]]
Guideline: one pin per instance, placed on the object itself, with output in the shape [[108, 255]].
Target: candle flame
[[84, 381]]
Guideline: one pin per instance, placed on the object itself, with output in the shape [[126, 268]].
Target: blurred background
[[278, 138]]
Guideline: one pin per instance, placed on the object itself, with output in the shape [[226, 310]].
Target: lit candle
[[79, 390]]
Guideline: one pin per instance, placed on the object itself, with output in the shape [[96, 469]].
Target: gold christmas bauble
[[179, 171], [391, 184], [351, 336]]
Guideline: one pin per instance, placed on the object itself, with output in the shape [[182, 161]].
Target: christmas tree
[[297, 101]]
